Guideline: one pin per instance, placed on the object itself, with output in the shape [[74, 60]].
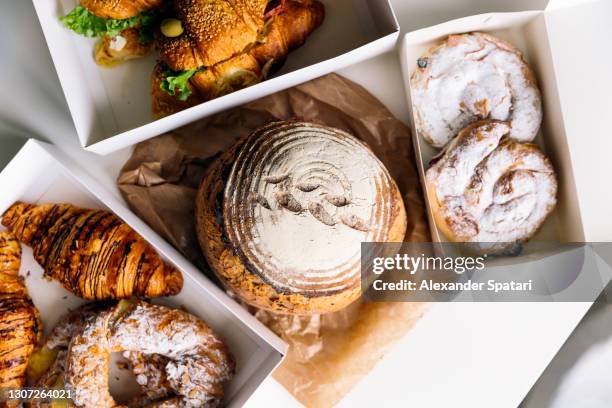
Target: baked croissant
[[120, 9], [170, 349], [92, 253], [229, 45], [20, 326], [125, 27]]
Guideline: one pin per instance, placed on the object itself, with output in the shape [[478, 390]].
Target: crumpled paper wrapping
[[329, 353]]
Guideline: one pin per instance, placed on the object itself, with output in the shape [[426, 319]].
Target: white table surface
[[458, 355]]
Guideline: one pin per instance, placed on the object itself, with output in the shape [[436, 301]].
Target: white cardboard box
[[40, 173], [111, 108], [551, 41]]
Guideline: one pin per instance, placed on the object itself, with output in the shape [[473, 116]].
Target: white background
[[459, 355]]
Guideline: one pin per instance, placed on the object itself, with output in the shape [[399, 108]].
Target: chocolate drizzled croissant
[[20, 326], [92, 253]]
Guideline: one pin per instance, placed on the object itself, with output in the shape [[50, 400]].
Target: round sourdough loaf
[[281, 216]]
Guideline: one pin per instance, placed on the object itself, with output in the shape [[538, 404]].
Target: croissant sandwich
[[92, 253], [20, 326], [125, 27], [215, 47]]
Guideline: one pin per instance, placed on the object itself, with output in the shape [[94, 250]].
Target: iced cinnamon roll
[[489, 188], [281, 216], [471, 77]]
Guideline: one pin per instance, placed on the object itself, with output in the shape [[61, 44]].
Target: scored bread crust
[[234, 271], [119, 9]]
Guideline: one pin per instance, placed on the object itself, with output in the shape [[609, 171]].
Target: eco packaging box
[[555, 43], [40, 173], [111, 108]]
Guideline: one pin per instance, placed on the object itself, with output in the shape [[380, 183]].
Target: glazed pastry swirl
[[489, 188], [299, 201], [471, 77]]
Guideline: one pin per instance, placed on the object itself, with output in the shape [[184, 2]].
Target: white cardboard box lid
[[109, 118], [41, 172]]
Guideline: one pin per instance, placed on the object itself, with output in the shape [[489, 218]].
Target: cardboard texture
[[328, 354], [40, 173], [111, 108], [577, 32]]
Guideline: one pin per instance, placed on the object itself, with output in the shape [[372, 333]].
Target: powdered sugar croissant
[[170, 349], [178, 361], [92, 253], [489, 188], [470, 77]]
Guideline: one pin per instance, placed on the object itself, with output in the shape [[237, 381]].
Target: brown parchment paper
[[328, 354]]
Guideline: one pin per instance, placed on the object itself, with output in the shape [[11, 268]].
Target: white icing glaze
[[490, 188], [299, 201], [472, 77]]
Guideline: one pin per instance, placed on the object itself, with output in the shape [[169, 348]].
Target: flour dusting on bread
[[327, 193]]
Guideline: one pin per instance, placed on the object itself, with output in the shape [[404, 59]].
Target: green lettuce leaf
[[177, 83], [83, 22]]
